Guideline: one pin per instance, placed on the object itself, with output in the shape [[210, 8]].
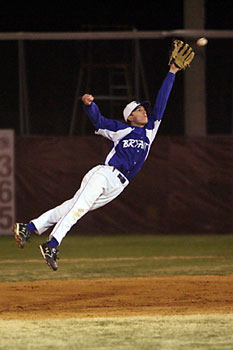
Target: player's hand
[[87, 99]]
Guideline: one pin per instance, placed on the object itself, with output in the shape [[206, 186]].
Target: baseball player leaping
[[131, 142]]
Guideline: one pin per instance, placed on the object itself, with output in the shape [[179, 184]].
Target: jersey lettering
[[135, 144]]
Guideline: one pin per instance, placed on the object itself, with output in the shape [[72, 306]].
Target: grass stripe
[[199, 332], [13, 261]]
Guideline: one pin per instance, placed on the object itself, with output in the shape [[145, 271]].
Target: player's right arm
[[96, 118]]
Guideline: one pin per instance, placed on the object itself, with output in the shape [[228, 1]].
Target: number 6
[[5, 193]]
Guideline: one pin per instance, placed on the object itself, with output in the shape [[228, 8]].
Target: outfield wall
[[7, 181], [185, 186]]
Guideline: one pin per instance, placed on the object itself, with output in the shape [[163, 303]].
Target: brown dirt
[[117, 297]]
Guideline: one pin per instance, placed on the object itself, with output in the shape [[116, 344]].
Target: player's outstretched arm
[[97, 119]]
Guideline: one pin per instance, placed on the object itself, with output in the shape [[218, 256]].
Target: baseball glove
[[181, 54]]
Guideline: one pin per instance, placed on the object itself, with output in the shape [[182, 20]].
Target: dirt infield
[[175, 295]]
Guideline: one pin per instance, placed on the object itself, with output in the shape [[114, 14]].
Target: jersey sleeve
[[162, 97], [104, 126]]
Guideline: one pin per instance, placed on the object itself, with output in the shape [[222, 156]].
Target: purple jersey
[[130, 145]]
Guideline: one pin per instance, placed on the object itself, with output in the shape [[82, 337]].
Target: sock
[[53, 243], [31, 227]]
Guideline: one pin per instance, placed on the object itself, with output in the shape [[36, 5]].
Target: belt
[[120, 176]]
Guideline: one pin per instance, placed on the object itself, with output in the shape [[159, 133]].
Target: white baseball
[[202, 42]]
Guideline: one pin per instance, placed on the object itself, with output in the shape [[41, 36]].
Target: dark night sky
[[49, 59], [70, 16]]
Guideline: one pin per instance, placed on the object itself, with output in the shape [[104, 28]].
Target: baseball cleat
[[50, 255], [22, 234]]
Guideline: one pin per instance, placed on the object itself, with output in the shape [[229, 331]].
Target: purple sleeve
[[162, 97], [99, 121]]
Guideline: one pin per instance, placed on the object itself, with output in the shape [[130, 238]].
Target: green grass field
[[119, 256], [89, 257]]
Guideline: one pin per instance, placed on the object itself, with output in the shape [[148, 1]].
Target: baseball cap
[[130, 107]]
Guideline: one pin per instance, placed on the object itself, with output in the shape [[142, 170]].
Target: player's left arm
[[163, 94]]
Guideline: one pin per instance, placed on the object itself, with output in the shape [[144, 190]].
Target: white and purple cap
[[130, 107]]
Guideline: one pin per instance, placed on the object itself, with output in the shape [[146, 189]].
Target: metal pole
[[76, 101], [119, 35], [194, 77], [136, 70], [23, 93], [21, 108]]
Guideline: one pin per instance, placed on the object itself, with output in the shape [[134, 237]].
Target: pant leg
[[99, 187], [52, 216], [93, 186]]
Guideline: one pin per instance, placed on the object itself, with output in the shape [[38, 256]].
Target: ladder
[[112, 83], [114, 86], [120, 88]]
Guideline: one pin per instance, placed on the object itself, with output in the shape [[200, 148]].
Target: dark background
[[188, 179], [52, 67]]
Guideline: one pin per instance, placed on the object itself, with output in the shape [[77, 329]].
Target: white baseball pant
[[98, 187]]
